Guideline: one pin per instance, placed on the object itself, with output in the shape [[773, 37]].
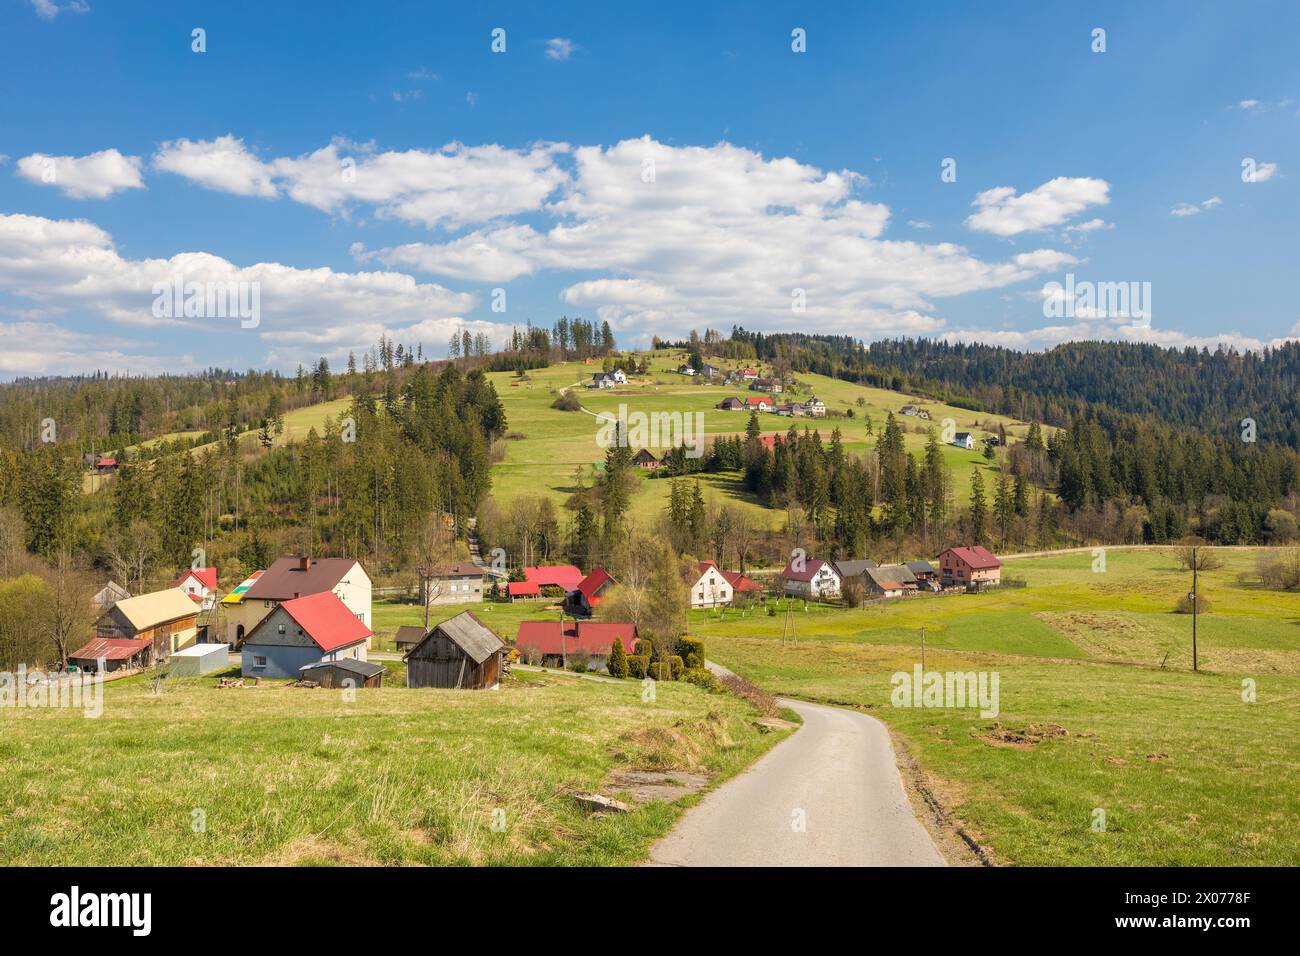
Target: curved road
[[828, 795]]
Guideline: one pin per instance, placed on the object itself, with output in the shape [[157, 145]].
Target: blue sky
[[373, 167]]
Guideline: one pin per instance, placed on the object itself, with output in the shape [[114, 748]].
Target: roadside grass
[[301, 777], [1187, 771]]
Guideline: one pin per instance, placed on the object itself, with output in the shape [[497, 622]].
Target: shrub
[[567, 402], [661, 670], [617, 665], [675, 667], [1184, 605], [701, 678], [771, 610], [686, 646], [579, 661], [645, 648], [694, 662], [637, 666]]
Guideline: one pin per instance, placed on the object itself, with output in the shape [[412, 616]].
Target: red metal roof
[[810, 569], [593, 582], [739, 582], [593, 637], [106, 463], [205, 576], [976, 557], [110, 649], [758, 400], [564, 576], [326, 620], [522, 589]]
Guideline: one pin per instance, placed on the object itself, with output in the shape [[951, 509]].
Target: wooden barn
[[459, 653], [408, 636], [340, 673]]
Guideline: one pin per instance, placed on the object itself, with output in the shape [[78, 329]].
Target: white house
[[711, 588], [686, 370], [964, 440], [609, 379], [815, 407], [294, 577], [201, 586], [811, 580]]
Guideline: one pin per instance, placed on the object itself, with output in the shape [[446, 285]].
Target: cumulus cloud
[[71, 268], [1004, 213], [96, 176], [1265, 171], [1109, 331], [559, 48], [224, 164]]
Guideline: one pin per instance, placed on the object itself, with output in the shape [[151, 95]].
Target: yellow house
[[242, 616]]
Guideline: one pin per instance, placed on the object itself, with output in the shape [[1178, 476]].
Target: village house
[[900, 573], [547, 580], [686, 370], [732, 404], [973, 568], [709, 588], [167, 619], [201, 585], [645, 459], [304, 630], [591, 590], [964, 440], [710, 371], [609, 379], [458, 654], [551, 642], [814, 580], [108, 595], [749, 374], [883, 582], [241, 618], [915, 412], [853, 568], [815, 407], [346, 673], [294, 577], [759, 403], [454, 584], [771, 385], [743, 587]]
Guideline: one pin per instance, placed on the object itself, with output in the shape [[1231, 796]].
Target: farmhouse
[[455, 584], [686, 370], [645, 459], [771, 385], [553, 642], [348, 673], [710, 587], [547, 580], [241, 616], [168, 619], [732, 404], [974, 568], [295, 577], [583, 600], [759, 402], [609, 379], [749, 374], [458, 654], [710, 371], [742, 586], [815, 579], [964, 440], [407, 636], [110, 654], [108, 595], [815, 407], [304, 630], [201, 585]]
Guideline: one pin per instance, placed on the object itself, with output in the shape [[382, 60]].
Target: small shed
[[199, 659], [340, 673], [407, 637], [459, 653]]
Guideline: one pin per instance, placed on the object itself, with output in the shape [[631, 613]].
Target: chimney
[[296, 595], [304, 563]]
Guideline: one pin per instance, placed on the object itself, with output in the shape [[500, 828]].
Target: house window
[[281, 628], [259, 660]]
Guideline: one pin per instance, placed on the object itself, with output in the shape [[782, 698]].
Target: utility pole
[[1195, 606], [922, 651]]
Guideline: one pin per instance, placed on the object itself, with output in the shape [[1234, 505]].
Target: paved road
[[837, 775]]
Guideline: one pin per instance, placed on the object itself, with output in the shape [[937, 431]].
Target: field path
[[836, 776]]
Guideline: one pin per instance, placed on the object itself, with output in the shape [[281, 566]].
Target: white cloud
[[1110, 331], [224, 164], [670, 238], [1212, 202], [43, 348], [920, 224], [96, 176], [1092, 225], [71, 268], [1003, 213], [48, 9], [1264, 172], [1250, 105], [1184, 209], [559, 48]]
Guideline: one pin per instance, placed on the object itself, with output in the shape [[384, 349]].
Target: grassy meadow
[[1186, 770], [296, 776]]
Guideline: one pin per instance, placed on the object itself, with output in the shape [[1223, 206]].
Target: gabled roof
[[469, 634], [465, 569], [360, 668], [323, 618], [591, 637], [920, 567], [159, 607], [285, 578], [809, 571], [205, 576], [739, 582], [111, 648], [237, 595], [758, 400], [885, 578], [593, 582], [900, 573], [522, 588], [853, 569], [565, 576], [977, 557]]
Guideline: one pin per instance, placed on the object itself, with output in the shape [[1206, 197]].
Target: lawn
[[504, 619], [283, 775], [1187, 771]]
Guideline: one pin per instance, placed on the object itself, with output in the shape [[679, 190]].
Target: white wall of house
[[711, 590], [355, 592]]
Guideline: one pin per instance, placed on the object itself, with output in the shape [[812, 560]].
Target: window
[[280, 628], [259, 660]]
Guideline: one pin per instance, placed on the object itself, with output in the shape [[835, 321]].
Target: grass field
[[294, 776], [1186, 770]]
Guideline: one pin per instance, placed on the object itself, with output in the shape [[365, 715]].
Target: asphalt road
[[829, 795]]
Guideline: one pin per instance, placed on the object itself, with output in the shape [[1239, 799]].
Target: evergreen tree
[[978, 509]]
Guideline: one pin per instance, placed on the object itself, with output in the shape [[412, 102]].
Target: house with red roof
[[709, 587], [201, 586], [760, 402], [301, 631], [591, 590], [973, 568], [560, 579], [810, 579], [552, 642]]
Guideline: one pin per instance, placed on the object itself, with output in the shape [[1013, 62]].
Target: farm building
[[883, 582], [199, 659], [343, 674], [973, 568], [302, 631], [759, 402], [732, 404], [815, 579], [552, 642], [645, 459], [296, 577], [853, 569], [964, 440], [241, 616], [407, 636], [169, 619], [455, 584], [108, 595], [108, 654], [815, 408], [201, 585], [583, 600], [547, 580], [927, 578], [458, 654], [709, 587]]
